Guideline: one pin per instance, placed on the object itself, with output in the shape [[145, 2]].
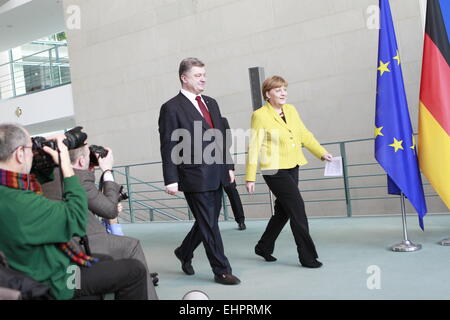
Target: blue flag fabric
[[395, 148]]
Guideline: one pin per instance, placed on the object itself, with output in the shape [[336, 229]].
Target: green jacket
[[31, 226]]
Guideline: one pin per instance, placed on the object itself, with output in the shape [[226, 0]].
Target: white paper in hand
[[334, 168]]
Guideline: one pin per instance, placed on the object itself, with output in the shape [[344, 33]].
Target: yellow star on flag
[[414, 144], [383, 67], [397, 145], [397, 57], [378, 132]]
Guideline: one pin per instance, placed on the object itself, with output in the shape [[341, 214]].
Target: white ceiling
[[2, 2], [52, 126], [22, 21]]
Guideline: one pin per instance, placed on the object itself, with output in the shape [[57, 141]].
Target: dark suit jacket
[[100, 204], [182, 158], [228, 140]]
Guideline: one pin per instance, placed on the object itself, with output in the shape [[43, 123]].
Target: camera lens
[[75, 138], [43, 161]]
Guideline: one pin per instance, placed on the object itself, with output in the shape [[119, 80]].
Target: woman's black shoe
[[267, 257], [311, 264]]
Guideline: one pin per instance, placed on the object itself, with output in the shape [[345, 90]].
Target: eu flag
[[395, 148]]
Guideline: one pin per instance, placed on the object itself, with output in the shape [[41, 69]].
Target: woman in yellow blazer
[[278, 135]]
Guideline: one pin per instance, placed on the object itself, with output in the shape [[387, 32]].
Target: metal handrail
[[34, 54], [149, 199], [129, 190]]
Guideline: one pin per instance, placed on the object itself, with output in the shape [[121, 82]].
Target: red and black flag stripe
[[434, 111]]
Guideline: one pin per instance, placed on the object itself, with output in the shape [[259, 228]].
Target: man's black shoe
[[186, 266], [227, 279], [266, 256], [242, 226]]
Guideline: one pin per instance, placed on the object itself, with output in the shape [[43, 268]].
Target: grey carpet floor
[[350, 249]]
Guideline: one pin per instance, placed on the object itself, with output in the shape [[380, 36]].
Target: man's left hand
[[232, 176]]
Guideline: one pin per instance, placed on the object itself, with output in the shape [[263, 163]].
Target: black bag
[[30, 289]]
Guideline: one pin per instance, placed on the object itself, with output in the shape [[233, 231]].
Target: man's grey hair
[[187, 65], [12, 136]]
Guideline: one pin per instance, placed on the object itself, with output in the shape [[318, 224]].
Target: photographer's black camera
[[42, 161], [122, 194], [102, 152]]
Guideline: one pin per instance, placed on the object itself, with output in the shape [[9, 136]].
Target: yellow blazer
[[276, 144]]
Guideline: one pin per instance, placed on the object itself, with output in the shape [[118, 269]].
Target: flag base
[[445, 242], [406, 246]]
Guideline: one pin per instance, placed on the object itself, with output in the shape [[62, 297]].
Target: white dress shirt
[[191, 96], [108, 176]]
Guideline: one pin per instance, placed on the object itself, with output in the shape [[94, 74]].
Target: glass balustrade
[[47, 66]]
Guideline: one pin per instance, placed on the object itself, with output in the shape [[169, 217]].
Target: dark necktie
[[204, 111]]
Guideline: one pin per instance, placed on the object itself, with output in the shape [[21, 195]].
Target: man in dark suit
[[193, 157], [103, 204], [231, 191]]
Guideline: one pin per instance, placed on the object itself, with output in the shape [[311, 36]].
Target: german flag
[[434, 110]]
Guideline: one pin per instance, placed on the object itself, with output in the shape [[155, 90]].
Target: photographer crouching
[[102, 203], [34, 231]]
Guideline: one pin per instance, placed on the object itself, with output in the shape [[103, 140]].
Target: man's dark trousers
[[235, 202], [205, 207], [126, 278]]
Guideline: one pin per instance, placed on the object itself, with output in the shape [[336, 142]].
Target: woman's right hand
[[250, 186]]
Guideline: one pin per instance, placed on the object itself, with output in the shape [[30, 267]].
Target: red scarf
[[29, 182], [20, 181]]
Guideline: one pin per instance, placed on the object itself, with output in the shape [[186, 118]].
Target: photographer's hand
[[107, 162], [65, 164]]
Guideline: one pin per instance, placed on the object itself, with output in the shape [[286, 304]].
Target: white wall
[[48, 110], [125, 57]]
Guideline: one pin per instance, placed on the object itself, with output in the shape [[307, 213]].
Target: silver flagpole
[[405, 245], [445, 242]]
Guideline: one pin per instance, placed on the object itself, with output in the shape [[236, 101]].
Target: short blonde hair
[[271, 83], [77, 153]]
